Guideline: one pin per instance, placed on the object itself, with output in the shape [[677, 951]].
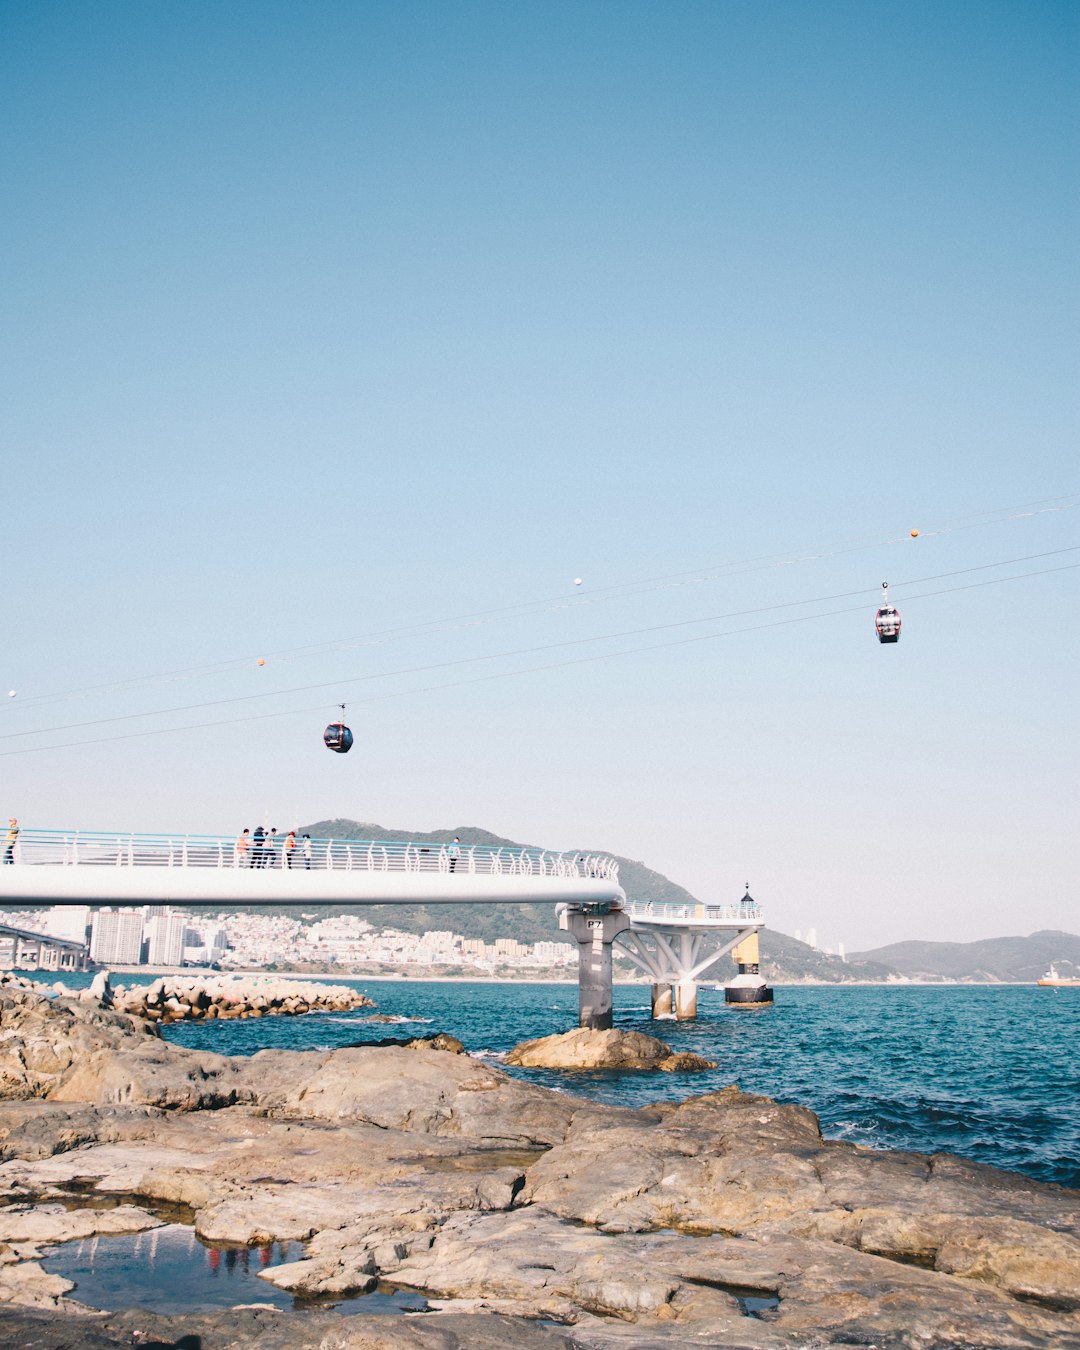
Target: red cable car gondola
[[887, 619], [338, 737]]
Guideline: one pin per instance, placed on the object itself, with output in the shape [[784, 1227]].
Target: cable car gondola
[[338, 737], [887, 619]]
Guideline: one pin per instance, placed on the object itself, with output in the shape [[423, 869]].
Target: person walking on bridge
[[289, 847], [12, 835], [454, 852], [257, 849], [240, 853]]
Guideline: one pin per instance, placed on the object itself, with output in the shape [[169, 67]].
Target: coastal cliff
[[525, 1216]]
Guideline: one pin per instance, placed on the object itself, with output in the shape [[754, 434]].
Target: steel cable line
[[524, 651], [529, 670], [615, 591]]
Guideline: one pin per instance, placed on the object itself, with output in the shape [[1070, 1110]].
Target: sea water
[[988, 1072]]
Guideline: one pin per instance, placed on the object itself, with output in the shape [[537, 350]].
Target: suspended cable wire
[[530, 670], [523, 651], [615, 591]]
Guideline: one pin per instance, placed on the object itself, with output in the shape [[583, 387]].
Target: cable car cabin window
[[338, 737], [887, 622]]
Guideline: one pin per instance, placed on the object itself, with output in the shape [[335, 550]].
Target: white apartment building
[[116, 937], [166, 939], [68, 921], [555, 953]]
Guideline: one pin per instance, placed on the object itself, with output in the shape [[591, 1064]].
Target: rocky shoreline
[[525, 1216]]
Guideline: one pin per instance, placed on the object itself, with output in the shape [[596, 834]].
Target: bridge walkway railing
[[85, 848], [690, 914]]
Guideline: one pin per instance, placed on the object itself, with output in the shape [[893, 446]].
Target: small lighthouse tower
[[748, 988]]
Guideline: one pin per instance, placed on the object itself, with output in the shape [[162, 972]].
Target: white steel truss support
[[674, 959], [677, 955], [637, 952]]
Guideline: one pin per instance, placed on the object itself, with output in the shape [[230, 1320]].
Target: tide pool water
[[171, 1271], [988, 1072]]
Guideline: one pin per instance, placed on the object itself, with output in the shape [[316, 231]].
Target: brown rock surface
[[502, 1201], [584, 1048]]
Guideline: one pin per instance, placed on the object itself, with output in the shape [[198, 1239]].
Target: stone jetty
[[177, 998], [527, 1217], [180, 998]]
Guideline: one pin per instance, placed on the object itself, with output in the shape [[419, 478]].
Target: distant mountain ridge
[[987, 961]]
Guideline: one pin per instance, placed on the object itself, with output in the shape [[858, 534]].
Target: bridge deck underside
[[122, 886]]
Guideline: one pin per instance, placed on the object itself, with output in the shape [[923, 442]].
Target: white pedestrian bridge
[[674, 944], [96, 868]]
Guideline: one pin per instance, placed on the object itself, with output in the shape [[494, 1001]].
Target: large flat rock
[[725, 1220]]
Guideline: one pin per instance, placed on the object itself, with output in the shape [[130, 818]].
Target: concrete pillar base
[[686, 1000], [594, 931], [662, 1000]]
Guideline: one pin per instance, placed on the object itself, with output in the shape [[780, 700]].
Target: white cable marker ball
[[577, 581]]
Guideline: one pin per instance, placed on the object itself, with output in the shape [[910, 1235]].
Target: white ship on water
[[1057, 981]]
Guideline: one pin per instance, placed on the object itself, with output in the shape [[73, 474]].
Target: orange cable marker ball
[[260, 662], [914, 534]]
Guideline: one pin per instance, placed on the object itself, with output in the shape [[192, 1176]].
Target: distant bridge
[[27, 949]]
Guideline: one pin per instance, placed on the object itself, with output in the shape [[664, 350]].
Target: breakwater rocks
[[525, 1216], [584, 1049], [180, 999]]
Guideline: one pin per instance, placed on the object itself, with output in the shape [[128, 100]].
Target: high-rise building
[[216, 938], [166, 939], [116, 937], [68, 921]]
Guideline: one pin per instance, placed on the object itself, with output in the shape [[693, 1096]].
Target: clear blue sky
[[324, 319]]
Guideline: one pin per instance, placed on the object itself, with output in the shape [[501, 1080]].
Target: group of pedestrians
[[260, 848]]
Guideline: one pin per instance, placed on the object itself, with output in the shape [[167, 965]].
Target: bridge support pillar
[[686, 1000], [594, 928], [661, 1000]]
